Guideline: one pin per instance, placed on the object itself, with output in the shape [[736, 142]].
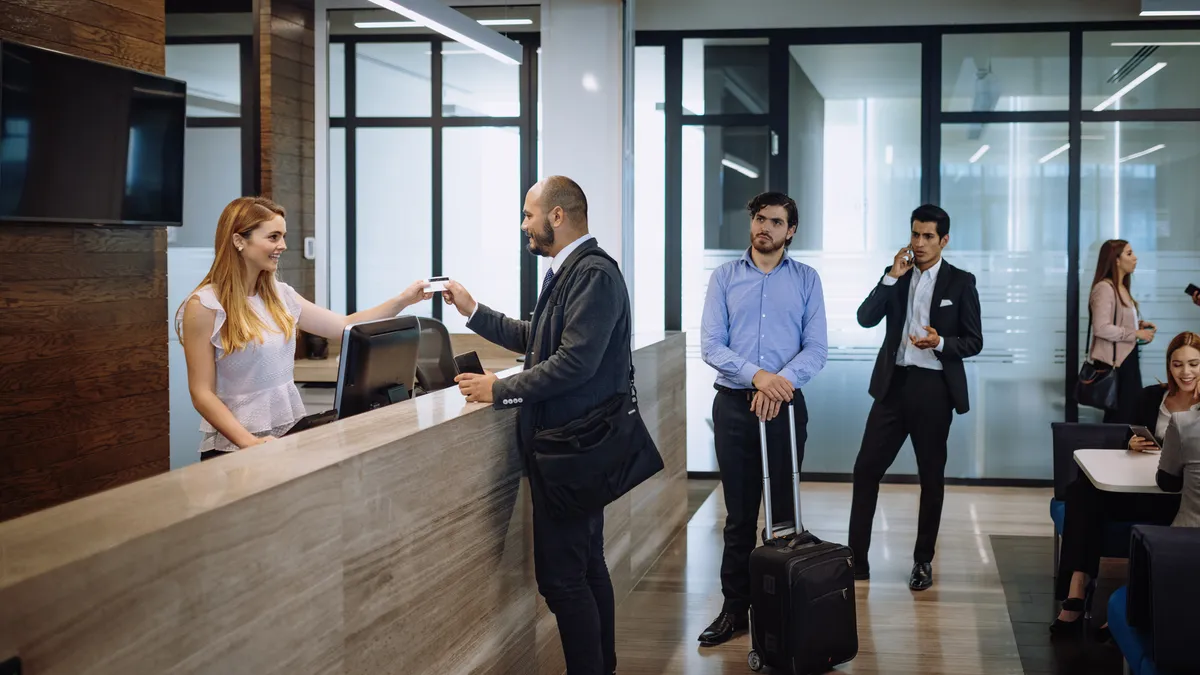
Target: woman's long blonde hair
[[228, 278]]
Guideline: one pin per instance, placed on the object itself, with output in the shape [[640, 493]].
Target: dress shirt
[[754, 321], [920, 300]]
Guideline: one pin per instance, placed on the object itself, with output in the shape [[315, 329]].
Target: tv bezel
[[25, 220]]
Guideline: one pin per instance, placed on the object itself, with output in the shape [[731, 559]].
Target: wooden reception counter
[[397, 541]]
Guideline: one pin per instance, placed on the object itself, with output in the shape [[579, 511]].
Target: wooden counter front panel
[[352, 554]]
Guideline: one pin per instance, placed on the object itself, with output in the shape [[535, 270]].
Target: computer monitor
[[378, 364]]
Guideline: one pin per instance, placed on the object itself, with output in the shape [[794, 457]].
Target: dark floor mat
[[1025, 565]]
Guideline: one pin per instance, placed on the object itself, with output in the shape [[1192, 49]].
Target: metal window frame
[[932, 119], [436, 122], [247, 120]]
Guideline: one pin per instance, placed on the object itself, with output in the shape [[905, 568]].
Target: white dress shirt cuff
[[941, 344], [889, 280], [473, 312]]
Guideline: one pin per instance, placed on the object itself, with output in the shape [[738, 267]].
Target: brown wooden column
[[83, 310], [287, 131]]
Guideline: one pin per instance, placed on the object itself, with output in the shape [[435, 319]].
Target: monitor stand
[[397, 394]]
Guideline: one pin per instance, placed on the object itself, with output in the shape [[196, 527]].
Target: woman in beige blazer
[[1116, 326]]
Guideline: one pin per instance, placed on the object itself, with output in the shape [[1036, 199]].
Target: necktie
[[547, 280]]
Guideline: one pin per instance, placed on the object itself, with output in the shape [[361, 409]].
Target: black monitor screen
[[378, 364], [85, 142]]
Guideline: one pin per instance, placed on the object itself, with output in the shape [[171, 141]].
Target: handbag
[[592, 461], [1097, 383]]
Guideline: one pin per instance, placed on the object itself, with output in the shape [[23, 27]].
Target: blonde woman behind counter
[[238, 330]]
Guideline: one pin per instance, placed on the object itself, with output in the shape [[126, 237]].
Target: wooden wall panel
[[287, 114], [83, 316]]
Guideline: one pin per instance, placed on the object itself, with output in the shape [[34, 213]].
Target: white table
[[1120, 470]]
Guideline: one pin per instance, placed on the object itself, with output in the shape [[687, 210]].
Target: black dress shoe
[[922, 577], [723, 629]]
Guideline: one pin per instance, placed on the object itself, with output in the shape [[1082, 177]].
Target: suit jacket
[[1180, 461], [958, 322], [1146, 413], [577, 352]]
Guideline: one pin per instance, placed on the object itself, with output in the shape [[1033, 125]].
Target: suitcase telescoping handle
[[762, 436]]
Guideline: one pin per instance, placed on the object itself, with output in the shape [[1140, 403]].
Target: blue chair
[[1134, 646], [1069, 437]]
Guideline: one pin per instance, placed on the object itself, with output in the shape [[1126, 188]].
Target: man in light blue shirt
[[764, 332]]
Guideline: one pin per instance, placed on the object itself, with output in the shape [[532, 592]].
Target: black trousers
[[1129, 391], [917, 406], [1089, 512], [739, 458], [568, 558]]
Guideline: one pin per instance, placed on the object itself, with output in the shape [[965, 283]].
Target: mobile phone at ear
[[1192, 289], [468, 363]]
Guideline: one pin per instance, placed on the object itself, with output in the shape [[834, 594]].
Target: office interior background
[[1043, 126], [1012, 127]]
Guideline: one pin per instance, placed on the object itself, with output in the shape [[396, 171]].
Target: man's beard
[[540, 243], [767, 248]]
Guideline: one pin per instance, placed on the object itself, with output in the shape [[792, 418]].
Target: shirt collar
[[748, 259], [932, 271], [557, 263]]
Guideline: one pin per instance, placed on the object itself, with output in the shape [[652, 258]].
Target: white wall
[[581, 88], [725, 14]]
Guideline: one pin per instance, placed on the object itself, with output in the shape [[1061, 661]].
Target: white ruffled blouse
[[258, 383]]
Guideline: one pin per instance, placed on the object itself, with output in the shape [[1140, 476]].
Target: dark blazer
[[576, 352], [958, 323], [1146, 413]]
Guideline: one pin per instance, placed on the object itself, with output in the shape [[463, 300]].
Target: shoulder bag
[[594, 460], [1097, 383]]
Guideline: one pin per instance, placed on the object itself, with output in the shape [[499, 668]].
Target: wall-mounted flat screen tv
[[82, 142]]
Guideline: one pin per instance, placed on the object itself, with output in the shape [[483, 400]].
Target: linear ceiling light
[[1170, 8], [1054, 153], [414, 24], [1143, 153], [980, 153], [1129, 87], [740, 166], [456, 26], [1156, 44]]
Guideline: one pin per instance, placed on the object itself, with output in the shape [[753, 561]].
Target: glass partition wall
[[1040, 142], [432, 145]]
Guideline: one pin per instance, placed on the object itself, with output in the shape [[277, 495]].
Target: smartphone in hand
[[1143, 432], [1192, 289], [468, 363]]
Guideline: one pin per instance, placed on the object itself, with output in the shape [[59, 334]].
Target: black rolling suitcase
[[802, 615]]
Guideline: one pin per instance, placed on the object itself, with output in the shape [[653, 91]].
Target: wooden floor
[[960, 626]]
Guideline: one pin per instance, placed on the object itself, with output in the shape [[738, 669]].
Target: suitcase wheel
[[754, 661]]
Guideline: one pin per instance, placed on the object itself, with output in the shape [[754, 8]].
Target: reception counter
[[397, 541]]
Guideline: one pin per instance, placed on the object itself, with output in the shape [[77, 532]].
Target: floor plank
[[961, 626]]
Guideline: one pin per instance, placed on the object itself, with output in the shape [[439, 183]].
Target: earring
[[239, 249]]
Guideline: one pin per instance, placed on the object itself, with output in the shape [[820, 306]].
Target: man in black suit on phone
[[932, 312]]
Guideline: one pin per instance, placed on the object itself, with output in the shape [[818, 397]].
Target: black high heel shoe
[[1074, 628], [1083, 605]]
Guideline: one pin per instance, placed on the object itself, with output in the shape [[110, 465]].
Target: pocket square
[[945, 303]]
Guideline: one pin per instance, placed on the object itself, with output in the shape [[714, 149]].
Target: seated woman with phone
[[1090, 510], [238, 331]]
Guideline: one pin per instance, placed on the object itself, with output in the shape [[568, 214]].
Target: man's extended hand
[[477, 388], [776, 387], [764, 407], [930, 340], [458, 296]]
